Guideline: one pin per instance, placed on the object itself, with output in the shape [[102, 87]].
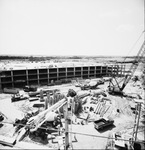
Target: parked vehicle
[[18, 97], [102, 123], [29, 88]]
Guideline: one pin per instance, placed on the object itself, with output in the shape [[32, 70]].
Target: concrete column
[[106, 70], [94, 72], [81, 72], [88, 71], [27, 77], [57, 73], [48, 75], [112, 71], [12, 78], [117, 70], [38, 77], [66, 72], [101, 71], [74, 71], [0, 85], [124, 70], [120, 70]]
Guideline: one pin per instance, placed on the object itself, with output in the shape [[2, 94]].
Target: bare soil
[[123, 121]]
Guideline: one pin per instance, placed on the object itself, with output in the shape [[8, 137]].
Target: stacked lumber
[[105, 109], [28, 145], [101, 108]]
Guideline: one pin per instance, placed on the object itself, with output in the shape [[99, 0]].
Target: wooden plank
[[33, 99], [36, 121], [38, 105], [107, 108], [21, 134], [102, 111], [27, 145], [9, 141], [98, 104]]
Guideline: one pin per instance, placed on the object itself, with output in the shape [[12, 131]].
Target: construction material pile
[[44, 113]]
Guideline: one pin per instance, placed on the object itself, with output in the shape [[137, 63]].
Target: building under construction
[[18, 77]]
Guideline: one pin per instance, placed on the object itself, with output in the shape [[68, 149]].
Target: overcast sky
[[71, 27]]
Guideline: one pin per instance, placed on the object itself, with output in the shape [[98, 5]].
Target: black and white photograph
[[72, 74]]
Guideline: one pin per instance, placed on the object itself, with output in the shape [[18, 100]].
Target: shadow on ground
[[106, 128]]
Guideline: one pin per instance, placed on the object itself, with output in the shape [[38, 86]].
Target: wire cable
[[100, 136], [71, 132], [134, 45], [122, 80]]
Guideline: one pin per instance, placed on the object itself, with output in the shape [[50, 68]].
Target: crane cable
[[130, 51], [134, 45]]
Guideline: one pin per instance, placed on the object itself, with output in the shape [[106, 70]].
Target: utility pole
[[66, 127], [70, 98], [68, 120], [143, 62]]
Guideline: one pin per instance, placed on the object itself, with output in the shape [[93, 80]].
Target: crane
[[117, 89]]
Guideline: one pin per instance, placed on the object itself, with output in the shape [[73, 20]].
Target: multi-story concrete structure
[[16, 77]]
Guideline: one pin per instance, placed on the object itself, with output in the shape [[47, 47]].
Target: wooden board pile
[[92, 105]]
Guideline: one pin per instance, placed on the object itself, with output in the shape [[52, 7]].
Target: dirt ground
[[123, 121]]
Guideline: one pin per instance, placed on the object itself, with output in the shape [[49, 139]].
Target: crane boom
[[117, 89], [134, 65]]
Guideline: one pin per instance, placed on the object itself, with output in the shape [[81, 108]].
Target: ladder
[[136, 121]]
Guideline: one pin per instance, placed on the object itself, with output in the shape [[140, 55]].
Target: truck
[[102, 123], [19, 96], [30, 88]]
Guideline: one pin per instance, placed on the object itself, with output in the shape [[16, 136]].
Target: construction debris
[[44, 114]]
